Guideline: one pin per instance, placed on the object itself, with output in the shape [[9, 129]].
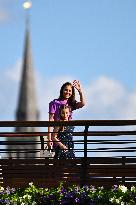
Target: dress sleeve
[[52, 107]]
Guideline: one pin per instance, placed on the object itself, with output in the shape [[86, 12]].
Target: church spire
[[27, 103], [27, 109]]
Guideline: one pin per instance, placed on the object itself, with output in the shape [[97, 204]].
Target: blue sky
[[93, 41]]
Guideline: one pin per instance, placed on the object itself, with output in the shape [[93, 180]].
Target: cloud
[[109, 99], [14, 73], [6, 12], [9, 80], [4, 15], [105, 90], [129, 108]]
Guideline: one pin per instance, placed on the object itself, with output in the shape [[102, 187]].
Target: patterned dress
[[66, 137]]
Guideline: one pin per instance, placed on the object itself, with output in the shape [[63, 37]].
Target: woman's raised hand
[[76, 84]]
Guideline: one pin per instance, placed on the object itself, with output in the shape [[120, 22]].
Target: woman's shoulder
[[55, 101]]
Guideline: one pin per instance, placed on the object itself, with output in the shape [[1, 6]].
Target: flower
[[77, 200], [31, 183], [133, 188], [34, 203], [1, 188], [123, 188]]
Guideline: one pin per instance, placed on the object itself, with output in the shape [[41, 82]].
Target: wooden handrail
[[90, 133], [67, 123]]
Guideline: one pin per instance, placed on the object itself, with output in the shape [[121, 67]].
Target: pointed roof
[[27, 103]]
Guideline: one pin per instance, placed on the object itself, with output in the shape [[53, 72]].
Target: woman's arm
[[77, 86]]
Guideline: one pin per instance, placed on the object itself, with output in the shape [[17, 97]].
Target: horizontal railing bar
[[92, 133], [111, 133], [35, 149], [111, 142], [19, 143], [126, 151], [89, 142], [72, 122], [113, 148]]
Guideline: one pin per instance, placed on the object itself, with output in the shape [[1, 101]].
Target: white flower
[[123, 188], [1, 188], [27, 196], [111, 199], [117, 201], [20, 199], [31, 183], [132, 188], [34, 203]]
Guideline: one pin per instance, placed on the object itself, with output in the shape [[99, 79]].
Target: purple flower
[[93, 188], [8, 191], [134, 199], [6, 200], [63, 190], [115, 187], [77, 200], [86, 188]]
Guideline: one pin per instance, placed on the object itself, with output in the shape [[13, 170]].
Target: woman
[[67, 97]]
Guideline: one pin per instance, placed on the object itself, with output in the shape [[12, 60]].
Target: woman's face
[[65, 114], [67, 92]]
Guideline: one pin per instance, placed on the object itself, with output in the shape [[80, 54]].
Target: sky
[[93, 41]]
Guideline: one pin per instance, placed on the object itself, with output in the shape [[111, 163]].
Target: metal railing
[[105, 152], [90, 138]]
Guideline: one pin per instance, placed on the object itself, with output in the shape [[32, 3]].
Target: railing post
[[42, 142], [85, 140], [123, 163], [84, 172]]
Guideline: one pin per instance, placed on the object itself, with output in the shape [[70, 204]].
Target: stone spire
[[27, 109], [27, 103]]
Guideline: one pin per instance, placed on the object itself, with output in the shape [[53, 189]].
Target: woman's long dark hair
[[71, 100]]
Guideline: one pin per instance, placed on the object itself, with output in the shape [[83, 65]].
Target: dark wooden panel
[[42, 172]]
